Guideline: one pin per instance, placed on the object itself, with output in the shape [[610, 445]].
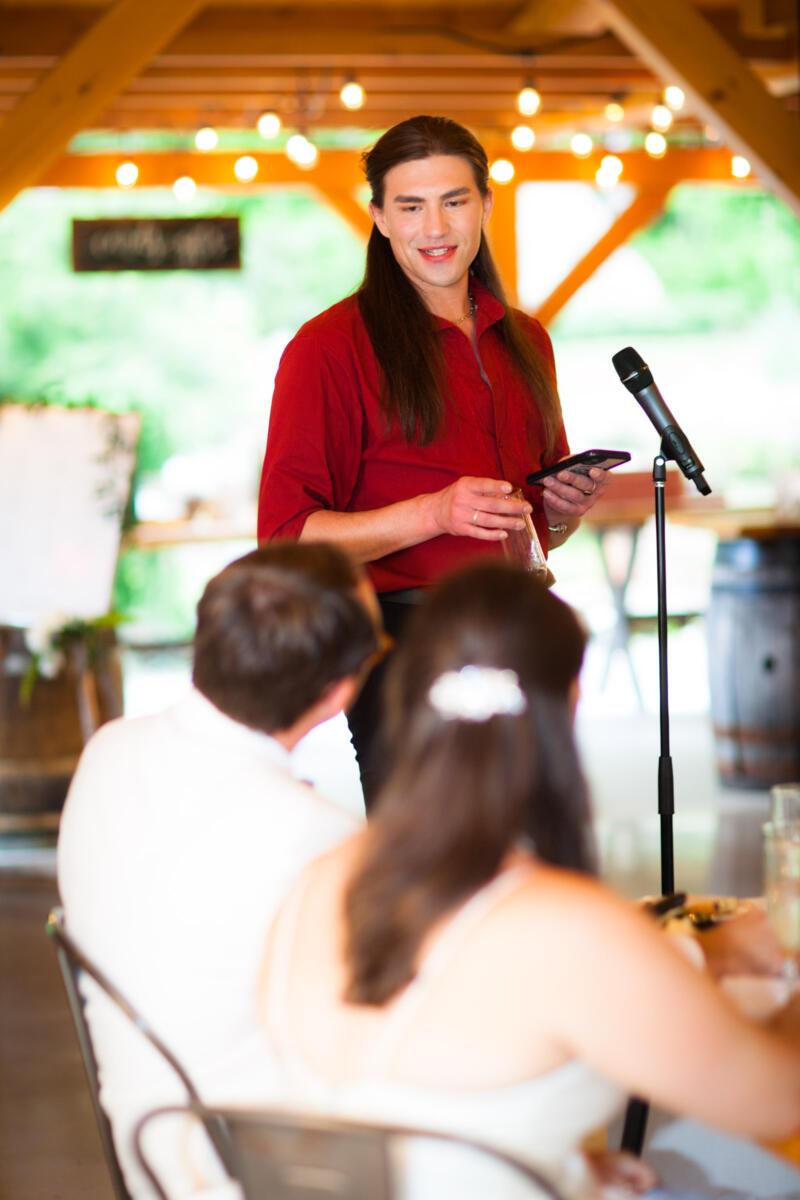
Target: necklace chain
[[473, 308]]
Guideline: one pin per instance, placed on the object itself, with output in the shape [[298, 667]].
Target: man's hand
[[478, 508], [572, 494]]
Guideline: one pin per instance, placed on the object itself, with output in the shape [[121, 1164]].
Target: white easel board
[[65, 477]]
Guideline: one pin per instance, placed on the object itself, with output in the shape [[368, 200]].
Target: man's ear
[[377, 216], [339, 696]]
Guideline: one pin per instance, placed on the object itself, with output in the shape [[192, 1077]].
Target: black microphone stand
[[637, 1111]]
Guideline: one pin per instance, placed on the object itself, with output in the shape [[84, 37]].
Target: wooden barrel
[[41, 739], [754, 660]]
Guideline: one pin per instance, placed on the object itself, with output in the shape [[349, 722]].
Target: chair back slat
[[283, 1155], [70, 972], [74, 964]]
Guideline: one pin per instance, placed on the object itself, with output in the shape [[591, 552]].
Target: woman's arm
[[617, 995]]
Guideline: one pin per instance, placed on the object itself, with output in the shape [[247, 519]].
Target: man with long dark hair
[[404, 416]]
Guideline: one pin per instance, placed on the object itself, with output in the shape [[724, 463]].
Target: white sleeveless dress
[[542, 1120]]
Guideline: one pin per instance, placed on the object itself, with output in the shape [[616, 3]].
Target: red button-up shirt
[[329, 446]]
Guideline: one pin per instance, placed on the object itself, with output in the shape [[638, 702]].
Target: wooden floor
[[49, 1145]]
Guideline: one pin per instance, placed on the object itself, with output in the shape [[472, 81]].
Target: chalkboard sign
[[155, 244]]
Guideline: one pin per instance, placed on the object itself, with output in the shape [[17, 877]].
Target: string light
[[674, 97], [206, 138], [184, 187], [352, 95], [582, 145], [126, 174], [655, 144], [523, 137], [245, 168], [614, 111], [269, 125], [660, 117], [740, 167], [528, 100], [611, 165], [301, 151], [606, 178], [501, 170]]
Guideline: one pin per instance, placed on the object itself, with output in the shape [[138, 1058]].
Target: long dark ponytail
[[461, 793]]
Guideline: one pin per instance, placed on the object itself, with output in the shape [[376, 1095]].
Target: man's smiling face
[[433, 215]]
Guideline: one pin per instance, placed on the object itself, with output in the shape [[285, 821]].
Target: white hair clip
[[477, 694]]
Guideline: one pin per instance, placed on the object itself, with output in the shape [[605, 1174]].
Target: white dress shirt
[[181, 834]]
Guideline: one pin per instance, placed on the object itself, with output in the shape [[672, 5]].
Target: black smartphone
[[581, 463]]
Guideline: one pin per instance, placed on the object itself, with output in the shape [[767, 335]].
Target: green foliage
[[723, 254]]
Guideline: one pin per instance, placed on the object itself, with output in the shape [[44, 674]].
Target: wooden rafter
[[103, 61], [502, 234], [341, 169], [681, 46], [347, 206], [647, 204]]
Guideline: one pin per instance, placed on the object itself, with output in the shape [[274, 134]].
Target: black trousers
[[366, 716]]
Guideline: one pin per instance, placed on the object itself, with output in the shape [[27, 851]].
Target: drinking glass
[[523, 548], [782, 889], [785, 803]]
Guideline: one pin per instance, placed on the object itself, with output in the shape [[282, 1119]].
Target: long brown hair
[[399, 325], [461, 793]]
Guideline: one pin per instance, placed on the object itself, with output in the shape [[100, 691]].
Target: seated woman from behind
[[455, 966]]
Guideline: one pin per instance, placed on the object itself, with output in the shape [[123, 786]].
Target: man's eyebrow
[[460, 191]]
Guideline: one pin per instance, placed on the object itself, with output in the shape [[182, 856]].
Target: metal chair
[[281, 1155], [74, 964]]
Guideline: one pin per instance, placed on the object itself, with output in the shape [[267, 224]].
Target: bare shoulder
[[567, 904]]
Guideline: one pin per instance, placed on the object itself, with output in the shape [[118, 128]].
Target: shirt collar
[[196, 715], [490, 310]]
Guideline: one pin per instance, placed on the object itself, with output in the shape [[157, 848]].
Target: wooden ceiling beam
[[351, 37], [643, 209], [341, 169], [555, 16], [83, 83], [681, 46]]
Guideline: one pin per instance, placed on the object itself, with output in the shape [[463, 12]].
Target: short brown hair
[[276, 628]]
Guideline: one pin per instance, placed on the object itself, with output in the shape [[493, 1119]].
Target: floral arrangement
[[50, 639]]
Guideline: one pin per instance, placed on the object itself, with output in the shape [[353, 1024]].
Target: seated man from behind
[[183, 831]]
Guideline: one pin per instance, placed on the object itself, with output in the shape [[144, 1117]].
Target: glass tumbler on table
[[785, 803], [523, 548], [782, 890]]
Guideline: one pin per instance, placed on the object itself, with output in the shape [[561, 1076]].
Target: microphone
[[638, 379]]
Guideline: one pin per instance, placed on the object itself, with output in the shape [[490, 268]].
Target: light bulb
[[501, 170], [184, 188], [611, 164], [126, 174], [606, 178], [206, 138], [674, 97], [614, 111], [269, 125], [740, 166], [352, 95], [528, 101], [655, 144], [301, 151], [582, 145], [523, 137], [660, 117], [245, 168]]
